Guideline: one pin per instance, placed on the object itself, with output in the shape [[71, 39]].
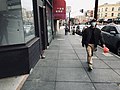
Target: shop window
[[49, 22], [16, 22], [11, 27], [28, 20]]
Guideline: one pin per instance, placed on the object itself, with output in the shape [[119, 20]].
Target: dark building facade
[[25, 31]]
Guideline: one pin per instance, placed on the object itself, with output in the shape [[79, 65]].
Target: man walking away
[[90, 39]]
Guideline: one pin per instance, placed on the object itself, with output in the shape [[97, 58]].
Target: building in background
[[89, 14], [84, 18], [109, 11], [79, 19]]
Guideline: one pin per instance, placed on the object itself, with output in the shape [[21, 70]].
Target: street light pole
[[96, 9], [69, 21]]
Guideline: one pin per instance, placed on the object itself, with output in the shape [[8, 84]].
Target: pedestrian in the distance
[[66, 30], [90, 39], [73, 30]]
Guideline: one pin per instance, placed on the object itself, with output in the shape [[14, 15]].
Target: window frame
[[113, 8], [119, 9], [112, 14], [106, 9]]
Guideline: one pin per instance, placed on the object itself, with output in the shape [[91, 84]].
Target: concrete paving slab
[[61, 39], [107, 86], [104, 75], [72, 74], [51, 51], [52, 56], [113, 64], [68, 56], [103, 56], [38, 85], [100, 64], [69, 63], [68, 59], [97, 64], [43, 74], [74, 86], [77, 46], [70, 51], [54, 47], [66, 48], [47, 63], [107, 54], [62, 44], [82, 56], [92, 59], [80, 51], [117, 70]]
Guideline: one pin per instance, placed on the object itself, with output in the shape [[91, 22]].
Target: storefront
[[59, 11], [22, 36]]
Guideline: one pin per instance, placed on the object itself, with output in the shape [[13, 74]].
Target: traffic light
[[81, 10]]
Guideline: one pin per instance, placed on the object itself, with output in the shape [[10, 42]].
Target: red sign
[[59, 9]]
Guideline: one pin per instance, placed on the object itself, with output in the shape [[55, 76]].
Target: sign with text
[[68, 9], [59, 9]]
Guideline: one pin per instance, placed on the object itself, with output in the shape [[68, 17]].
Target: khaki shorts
[[90, 49]]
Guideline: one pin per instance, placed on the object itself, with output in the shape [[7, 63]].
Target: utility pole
[[96, 9], [68, 9], [69, 21]]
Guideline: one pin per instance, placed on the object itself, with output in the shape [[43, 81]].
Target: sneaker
[[90, 66], [42, 57]]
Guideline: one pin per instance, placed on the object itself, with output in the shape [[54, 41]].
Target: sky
[[76, 5]]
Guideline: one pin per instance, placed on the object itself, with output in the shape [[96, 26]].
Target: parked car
[[28, 30], [80, 28], [117, 21], [101, 20], [111, 36]]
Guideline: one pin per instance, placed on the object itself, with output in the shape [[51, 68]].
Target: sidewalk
[[65, 68]]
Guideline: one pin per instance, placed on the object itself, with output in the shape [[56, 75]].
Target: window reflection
[[3, 29], [16, 22], [11, 31], [28, 21], [49, 23]]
